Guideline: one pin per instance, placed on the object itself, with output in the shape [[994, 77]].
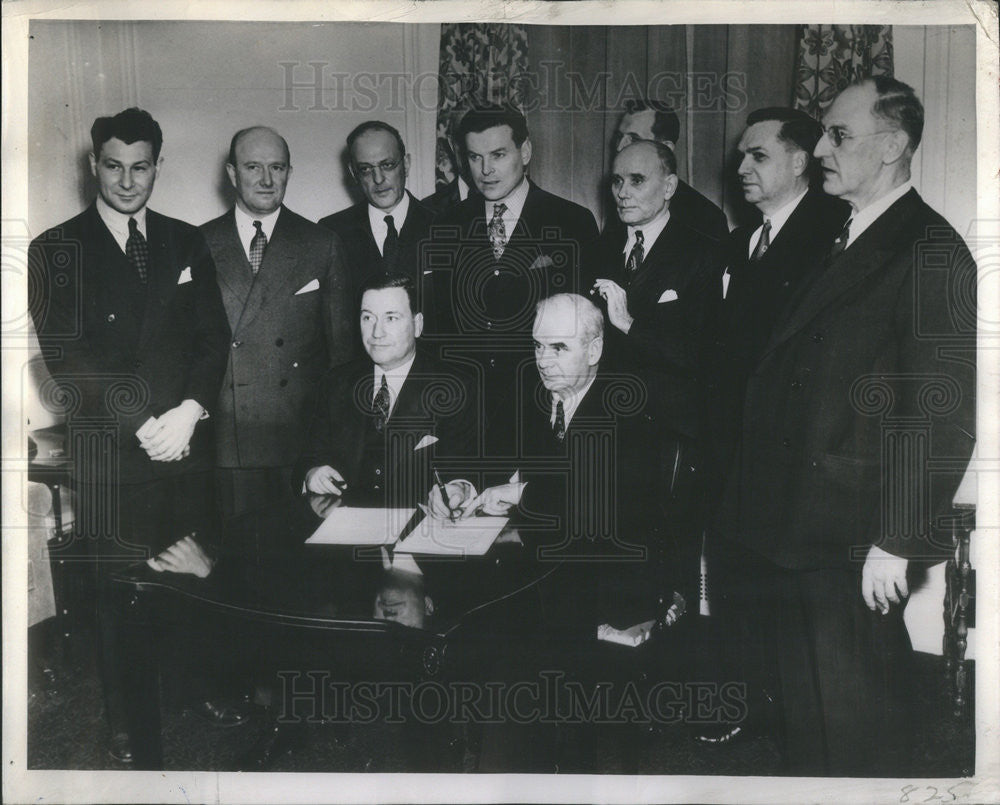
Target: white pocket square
[[312, 285], [427, 441], [185, 276], [668, 295]]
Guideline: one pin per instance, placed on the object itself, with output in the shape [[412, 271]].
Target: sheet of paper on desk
[[470, 537], [349, 525]]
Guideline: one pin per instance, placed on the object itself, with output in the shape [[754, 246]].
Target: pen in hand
[[444, 496]]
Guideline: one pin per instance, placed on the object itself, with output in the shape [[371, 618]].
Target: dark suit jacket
[[284, 336], [445, 197], [363, 256], [436, 399], [698, 213], [868, 374], [123, 351], [663, 345], [739, 326]]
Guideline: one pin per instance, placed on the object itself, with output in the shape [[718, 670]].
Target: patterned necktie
[[635, 257], [257, 246], [498, 233], [380, 406], [137, 250], [763, 244], [841, 242], [391, 245], [559, 427]]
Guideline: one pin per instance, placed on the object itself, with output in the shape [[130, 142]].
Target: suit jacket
[[435, 400], [739, 325], [668, 298], [290, 323], [867, 376], [122, 351], [445, 197], [363, 256], [698, 213]]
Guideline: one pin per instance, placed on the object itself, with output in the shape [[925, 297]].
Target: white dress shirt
[[863, 219], [376, 220], [463, 189], [246, 230], [394, 379], [777, 219], [515, 204], [117, 223], [570, 401], [650, 232]]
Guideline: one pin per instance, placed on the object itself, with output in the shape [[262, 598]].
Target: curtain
[[832, 56], [479, 62]]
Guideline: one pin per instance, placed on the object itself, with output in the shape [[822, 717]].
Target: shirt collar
[[515, 204], [376, 217], [650, 232], [570, 402], [246, 229], [463, 189], [778, 219], [863, 219], [394, 379], [117, 222]]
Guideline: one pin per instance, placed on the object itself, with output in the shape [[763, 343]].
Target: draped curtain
[[832, 56], [479, 62]]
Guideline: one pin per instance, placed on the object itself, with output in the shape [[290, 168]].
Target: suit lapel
[[838, 275], [232, 267], [276, 275]]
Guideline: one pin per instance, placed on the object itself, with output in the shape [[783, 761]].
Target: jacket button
[[496, 272], [111, 317], [786, 442], [378, 470], [817, 337], [283, 383], [236, 344], [280, 342], [796, 384], [493, 363], [489, 325], [295, 365]]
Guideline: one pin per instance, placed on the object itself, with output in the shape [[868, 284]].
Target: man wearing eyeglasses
[[382, 233], [866, 381]]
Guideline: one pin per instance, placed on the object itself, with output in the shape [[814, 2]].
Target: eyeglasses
[[386, 166], [837, 135]]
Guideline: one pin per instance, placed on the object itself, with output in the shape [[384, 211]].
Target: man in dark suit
[[379, 423], [383, 233], [765, 264], [135, 335], [654, 120], [494, 256], [866, 380], [288, 296]]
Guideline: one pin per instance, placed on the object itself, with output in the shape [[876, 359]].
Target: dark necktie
[[559, 427], [390, 246], [841, 242], [137, 250], [635, 257], [257, 246], [497, 231], [380, 406], [763, 244]]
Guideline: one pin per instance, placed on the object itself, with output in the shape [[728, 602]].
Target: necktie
[[841, 242], [559, 427], [763, 244], [390, 246], [635, 256], [497, 231], [380, 406], [257, 246], [137, 250]]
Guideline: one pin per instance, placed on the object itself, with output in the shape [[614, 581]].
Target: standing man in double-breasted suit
[[494, 256], [135, 335], [287, 294], [382, 234], [857, 425]]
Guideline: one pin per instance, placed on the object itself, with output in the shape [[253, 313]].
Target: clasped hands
[[168, 437]]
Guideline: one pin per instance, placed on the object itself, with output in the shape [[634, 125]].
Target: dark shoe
[[720, 734], [219, 714], [120, 747], [274, 742]]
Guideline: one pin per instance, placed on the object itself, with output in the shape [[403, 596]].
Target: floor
[[66, 731]]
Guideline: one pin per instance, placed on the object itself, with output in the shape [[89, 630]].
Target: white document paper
[[349, 525], [472, 536]]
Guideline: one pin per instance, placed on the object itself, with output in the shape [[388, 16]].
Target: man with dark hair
[[495, 256], [646, 119], [288, 296], [888, 316], [395, 405], [134, 333], [382, 234]]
